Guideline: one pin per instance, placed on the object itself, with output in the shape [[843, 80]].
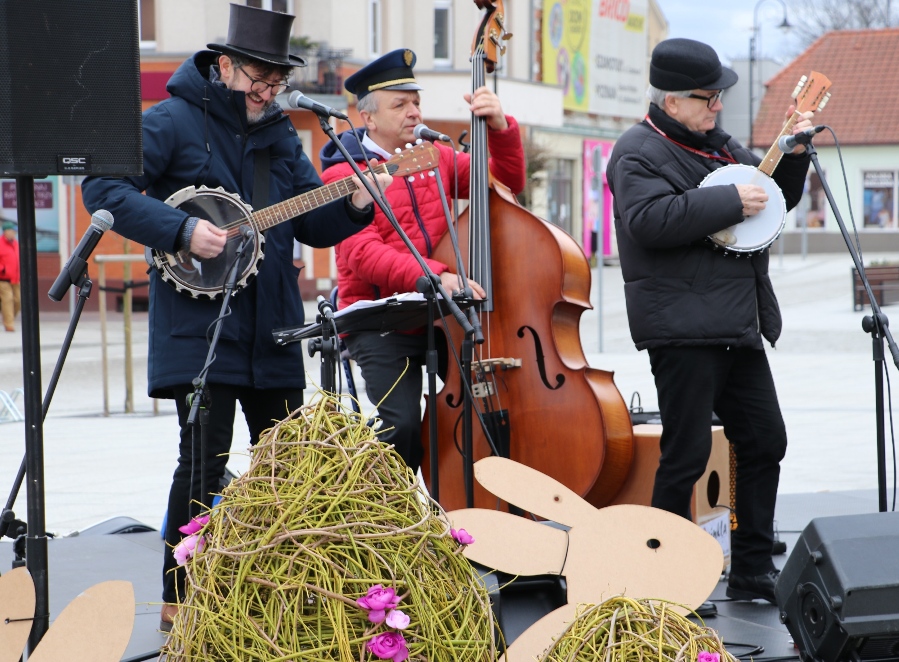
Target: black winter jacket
[[678, 289], [200, 136]]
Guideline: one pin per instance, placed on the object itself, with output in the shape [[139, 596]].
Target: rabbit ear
[[94, 627], [533, 642], [511, 544], [532, 491], [16, 613]]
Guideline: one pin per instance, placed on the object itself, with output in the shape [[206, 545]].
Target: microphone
[[76, 265], [786, 144], [422, 132], [299, 100]]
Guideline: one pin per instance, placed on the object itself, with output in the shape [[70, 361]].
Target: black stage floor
[[748, 628]]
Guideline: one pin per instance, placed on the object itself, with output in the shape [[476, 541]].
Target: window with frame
[[283, 6], [880, 199], [146, 16], [443, 33], [559, 192], [374, 28]]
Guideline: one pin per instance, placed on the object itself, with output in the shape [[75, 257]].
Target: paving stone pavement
[[99, 466]]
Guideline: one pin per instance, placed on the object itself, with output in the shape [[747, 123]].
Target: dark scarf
[[709, 141]]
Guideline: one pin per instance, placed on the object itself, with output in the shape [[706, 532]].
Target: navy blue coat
[[200, 136]]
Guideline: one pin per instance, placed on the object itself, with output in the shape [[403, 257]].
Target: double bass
[[531, 388]]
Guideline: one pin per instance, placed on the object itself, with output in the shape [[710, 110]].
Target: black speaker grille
[[70, 75]]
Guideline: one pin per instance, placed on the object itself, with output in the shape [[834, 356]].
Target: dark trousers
[[735, 384], [382, 360], [260, 408]]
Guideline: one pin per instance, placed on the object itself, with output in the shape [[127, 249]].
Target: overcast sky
[[726, 25]]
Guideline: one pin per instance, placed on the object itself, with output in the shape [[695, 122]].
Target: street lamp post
[[784, 25]]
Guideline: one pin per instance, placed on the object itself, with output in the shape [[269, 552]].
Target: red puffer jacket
[[9, 260], [375, 262]]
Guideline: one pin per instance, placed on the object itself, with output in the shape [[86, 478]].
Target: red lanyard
[[727, 157]]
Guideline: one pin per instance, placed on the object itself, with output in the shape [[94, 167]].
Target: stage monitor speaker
[[838, 593], [70, 75]]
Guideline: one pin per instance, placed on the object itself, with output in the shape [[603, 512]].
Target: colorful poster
[[879, 195], [596, 51], [566, 49], [597, 198], [618, 58]]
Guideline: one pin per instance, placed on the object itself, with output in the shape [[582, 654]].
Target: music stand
[[401, 312]]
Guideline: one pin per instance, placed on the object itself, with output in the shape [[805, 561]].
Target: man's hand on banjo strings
[[753, 198]]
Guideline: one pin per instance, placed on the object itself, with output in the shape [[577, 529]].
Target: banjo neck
[[269, 217], [774, 155]]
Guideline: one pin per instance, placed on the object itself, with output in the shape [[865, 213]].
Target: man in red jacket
[[10, 296], [375, 262]]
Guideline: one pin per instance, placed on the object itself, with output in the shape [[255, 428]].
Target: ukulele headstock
[[811, 92], [412, 160]]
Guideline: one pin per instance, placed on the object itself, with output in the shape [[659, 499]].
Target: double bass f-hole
[[540, 359]]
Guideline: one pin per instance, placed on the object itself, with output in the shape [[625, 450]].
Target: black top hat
[[684, 64], [260, 34], [392, 71]]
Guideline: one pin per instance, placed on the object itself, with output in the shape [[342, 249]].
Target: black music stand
[[401, 312]]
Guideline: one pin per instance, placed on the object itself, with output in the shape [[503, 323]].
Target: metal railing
[[127, 308]]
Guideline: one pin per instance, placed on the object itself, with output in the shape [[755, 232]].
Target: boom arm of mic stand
[[370, 187]]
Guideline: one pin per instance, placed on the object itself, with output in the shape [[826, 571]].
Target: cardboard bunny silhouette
[[94, 627], [633, 550]]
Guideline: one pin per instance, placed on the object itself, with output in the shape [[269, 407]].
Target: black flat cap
[[685, 64]]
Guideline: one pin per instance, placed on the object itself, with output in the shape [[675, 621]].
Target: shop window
[[880, 199], [443, 54], [559, 192]]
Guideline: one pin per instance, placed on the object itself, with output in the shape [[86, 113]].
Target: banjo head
[[206, 278], [756, 232]]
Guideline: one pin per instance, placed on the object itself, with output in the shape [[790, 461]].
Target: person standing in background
[[10, 291]]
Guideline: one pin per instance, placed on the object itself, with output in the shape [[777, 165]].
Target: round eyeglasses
[[259, 86]]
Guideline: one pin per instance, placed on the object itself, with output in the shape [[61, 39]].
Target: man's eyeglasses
[[259, 86], [710, 101]]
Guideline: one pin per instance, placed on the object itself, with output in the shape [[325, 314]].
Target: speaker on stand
[[70, 72]]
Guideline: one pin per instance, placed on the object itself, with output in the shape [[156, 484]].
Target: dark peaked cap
[[684, 64], [261, 35], [392, 71]]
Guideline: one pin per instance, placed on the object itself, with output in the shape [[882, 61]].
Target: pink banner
[[597, 198]]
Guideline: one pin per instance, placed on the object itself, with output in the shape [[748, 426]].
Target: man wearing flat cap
[[702, 314], [375, 263], [222, 127]]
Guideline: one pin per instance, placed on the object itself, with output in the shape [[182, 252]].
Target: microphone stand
[[877, 325], [327, 344], [200, 400], [432, 281]]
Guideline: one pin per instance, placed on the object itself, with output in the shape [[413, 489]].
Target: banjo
[[206, 278], [758, 232]]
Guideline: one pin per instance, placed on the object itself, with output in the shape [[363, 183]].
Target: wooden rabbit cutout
[[633, 550]]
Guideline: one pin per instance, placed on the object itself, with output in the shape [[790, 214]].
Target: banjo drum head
[[756, 232]]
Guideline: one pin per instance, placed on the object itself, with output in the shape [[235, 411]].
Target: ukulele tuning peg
[[411, 178], [408, 146], [397, 151], [418, 142], [431, 173], [824, 101], [799, 86]]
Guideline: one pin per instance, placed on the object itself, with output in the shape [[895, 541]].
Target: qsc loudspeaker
[[839, 591], [70, 75]]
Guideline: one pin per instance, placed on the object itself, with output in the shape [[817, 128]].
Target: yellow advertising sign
[[566, 49]]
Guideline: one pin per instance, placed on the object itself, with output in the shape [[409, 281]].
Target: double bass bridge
[[483, 387]]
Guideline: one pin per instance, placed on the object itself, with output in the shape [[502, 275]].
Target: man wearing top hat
[[216, 130], [702, 315], [375, 263]]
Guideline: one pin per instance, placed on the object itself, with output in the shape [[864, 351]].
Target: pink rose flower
[[189, 546], [194, 525], [388, 646], [461, 536], [377, 601], [705, 656], [397, 619]]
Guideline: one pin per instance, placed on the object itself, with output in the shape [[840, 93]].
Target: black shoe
[[707, 609], [743, 587]]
